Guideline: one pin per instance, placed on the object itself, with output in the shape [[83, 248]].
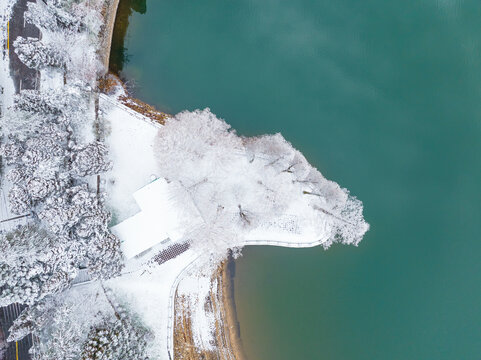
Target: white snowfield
[[153, 213], [131, 141]]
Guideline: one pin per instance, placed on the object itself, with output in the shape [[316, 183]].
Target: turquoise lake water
[[384, 97]]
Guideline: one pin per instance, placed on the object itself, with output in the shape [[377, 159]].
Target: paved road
[[7, 315], [23, 77]]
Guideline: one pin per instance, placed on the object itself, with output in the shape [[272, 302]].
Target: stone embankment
[[109, 13]]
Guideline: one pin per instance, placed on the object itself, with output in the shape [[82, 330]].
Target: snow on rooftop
[[161, 217]]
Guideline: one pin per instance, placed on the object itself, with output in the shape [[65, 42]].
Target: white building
[[166, 212]]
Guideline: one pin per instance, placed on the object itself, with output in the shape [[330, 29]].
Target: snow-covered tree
[[68, 328], [46, 160], [117, 338], [33, 264], [32, 318], [81, 214], [52, 322], [40, 165], [91, 159], [52, 17], [20, 202], [47, 170], [104, 257], [66, 211], [11, 151], [37, 55], [241, 185], [63, 103]]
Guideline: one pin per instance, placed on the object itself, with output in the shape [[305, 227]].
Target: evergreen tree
[[91, 159], [115, 339], [33, 264], [60, 103], [37, 55], [52, 17]]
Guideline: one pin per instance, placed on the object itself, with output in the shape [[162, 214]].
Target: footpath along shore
[[229, 327]]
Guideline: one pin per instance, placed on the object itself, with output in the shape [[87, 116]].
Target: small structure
[[167, 211]]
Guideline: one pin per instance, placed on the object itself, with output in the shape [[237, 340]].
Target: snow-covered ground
[[150, 291], [130, 137]]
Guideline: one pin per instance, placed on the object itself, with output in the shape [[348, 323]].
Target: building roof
[[166, 210]]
